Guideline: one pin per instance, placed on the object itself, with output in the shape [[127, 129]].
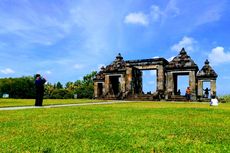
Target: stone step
[[142, 97], [178, 98]]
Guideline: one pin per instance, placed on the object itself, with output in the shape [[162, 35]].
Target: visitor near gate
[[214, 101], [206, 92], [39, 85], [178, 92], [188, 94]]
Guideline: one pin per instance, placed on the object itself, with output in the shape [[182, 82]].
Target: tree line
[[24, 87]]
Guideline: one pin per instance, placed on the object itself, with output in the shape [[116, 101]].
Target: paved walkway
[[61, 105], [81, 104]]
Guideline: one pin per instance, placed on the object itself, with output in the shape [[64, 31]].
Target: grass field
[[124, 127], [30, 102]]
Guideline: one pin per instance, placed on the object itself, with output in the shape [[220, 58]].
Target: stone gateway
[[123, 79]]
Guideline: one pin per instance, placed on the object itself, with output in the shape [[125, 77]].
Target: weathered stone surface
[[213, 87], [160, 78], [182, 61], [192, 84], [117, 65], [146, 62], [200, 88], [207, 71], [123, 79], [206, 74], [100, 75]]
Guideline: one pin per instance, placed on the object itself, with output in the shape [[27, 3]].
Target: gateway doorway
[[149, 81], [181, 82], [114, 85]]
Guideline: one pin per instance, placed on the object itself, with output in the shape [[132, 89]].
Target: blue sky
[[66, 39]]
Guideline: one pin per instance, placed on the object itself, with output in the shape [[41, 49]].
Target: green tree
[[85, 88], [22, 87], [59, 85]]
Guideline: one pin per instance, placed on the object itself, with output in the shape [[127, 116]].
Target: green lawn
[[124, 127], [30, 102]]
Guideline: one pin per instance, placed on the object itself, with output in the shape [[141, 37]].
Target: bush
[[224, 99], [60, 94]]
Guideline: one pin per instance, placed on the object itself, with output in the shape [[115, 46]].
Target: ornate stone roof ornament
[[207, 71], [182, 60], [119, 57], [100, 75], [183, 52], [117, 65], [206, 62], [102, 68]]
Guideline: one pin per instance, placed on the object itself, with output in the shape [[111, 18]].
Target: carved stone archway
[[206, 74]]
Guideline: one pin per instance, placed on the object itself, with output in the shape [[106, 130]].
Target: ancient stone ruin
[[123, 79]]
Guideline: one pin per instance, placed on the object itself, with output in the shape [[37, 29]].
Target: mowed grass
[[30, 102], [124, 127]]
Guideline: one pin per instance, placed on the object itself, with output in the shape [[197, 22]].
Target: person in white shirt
[[214, 101]]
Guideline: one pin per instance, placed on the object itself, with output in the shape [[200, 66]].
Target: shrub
[[224, 99]]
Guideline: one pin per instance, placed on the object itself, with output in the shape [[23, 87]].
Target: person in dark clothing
[[39, 84], [206, 92], [178, 92]]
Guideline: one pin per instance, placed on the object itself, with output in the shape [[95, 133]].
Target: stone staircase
[[178, 98], [143, 97]]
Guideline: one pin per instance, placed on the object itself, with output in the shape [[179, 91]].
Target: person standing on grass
[[188, 94], [39, 85]]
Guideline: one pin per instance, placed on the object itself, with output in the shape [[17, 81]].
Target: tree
[[49, 88], [59, 85], [22, 87], [60, 94], [85, 87]]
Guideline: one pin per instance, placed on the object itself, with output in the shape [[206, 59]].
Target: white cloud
[[155, 13], [219, 56], [171, 9], [137, 18], [144, 19], [78, 66], [211, 14], [34, 25], [156, 57], [95, 31], [186, 42], [7, 71]]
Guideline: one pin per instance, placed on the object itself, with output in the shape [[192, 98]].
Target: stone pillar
[[175, 86], [103, 89], [106, 86], [200, 88], [169, 85], [122, 83], [128, 79], [192, 84], [95, 89], [160, 78], [213, 87]]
